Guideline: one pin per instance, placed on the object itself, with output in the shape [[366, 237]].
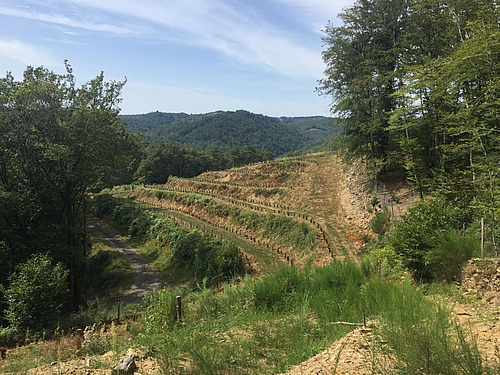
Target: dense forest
[[161, 160], [416, 84], [226, 130], [58, 143]]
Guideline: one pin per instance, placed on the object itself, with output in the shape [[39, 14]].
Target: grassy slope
[[268, 324]]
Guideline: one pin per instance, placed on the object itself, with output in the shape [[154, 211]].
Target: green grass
[[112, 274], [279, 229], [267, 325]]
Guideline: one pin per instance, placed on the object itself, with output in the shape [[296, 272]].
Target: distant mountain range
[[226, 130]]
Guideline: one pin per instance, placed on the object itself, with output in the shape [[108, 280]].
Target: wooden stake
[[179, 308], [118, 312], [482, 237]]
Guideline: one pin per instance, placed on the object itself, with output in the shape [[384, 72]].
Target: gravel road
[[146, 279]]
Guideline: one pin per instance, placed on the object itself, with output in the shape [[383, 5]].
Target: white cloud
[[24, 53], [318, 12], [237, 33], [63, 20]]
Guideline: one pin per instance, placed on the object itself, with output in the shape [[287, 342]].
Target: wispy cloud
[[226, 27], [64, 20], [24, 53], [237, 29], [318, 12], [65, 41]]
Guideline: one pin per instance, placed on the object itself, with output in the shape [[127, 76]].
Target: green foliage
[[385, 262], [381, 222], [415, 235], [37, 294], [162, 160], [209, 258], [274, 292], [58, 142], [448, 253], [232, 130], [8, 336], [103, 204], [287, 316], [416, 85], [363, 71], [299, 234], [223, 264], [161, 310]]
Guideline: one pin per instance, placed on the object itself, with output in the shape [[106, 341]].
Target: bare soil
[[353, 354]]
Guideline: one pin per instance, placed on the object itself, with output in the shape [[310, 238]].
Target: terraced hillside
[[288, 210]]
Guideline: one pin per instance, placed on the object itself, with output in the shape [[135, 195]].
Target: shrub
[[104, 204], [36, 294], [228, 261], [381, 221], [448, 253], [187, 246], [385, 262], [161, 312], [275, 290], [415, 235], [8, 336], [6, 264]]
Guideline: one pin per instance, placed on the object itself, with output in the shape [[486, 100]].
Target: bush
[[229, 262], [36, 294], [187, 246], [385, 262], [448, 253], [8, 336], [161, 311], [416, 234], [103, 205], [274, 291], [381, 221]]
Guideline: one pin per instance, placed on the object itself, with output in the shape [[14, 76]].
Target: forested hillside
[[226, 130], [416, 84]]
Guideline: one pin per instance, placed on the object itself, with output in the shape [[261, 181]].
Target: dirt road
[[146, 279]]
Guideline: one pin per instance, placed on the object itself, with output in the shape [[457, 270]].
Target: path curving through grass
[[146, 279]]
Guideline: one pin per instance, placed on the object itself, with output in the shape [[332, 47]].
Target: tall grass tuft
[[448, 253], [419, 332]]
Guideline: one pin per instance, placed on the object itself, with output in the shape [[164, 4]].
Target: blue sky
[[190, 56]]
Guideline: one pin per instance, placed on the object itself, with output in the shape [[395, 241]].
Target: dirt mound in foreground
[[353, 354]]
